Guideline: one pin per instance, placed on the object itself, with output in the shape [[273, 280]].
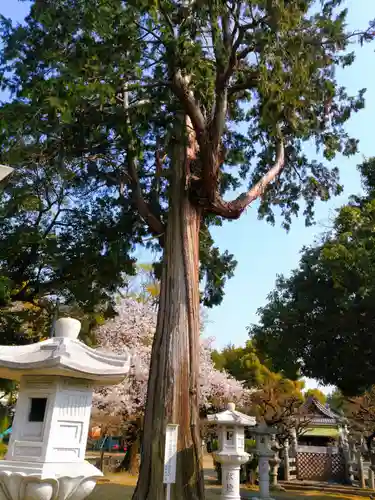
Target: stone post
[[352, 460], [371, 479], [264, 477], [372, 469], [286, 461], [361, 472], [345, 449], [230, 481], [293, 443], [274, 468], [264, 452]]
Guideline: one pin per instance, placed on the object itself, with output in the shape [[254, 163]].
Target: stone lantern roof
[[232, 417], [5, 171], [64, 355]]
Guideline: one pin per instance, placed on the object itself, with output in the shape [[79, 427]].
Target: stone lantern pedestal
[[231, 454], [265, 454], [274, 468], [231, 468], [46, 452]]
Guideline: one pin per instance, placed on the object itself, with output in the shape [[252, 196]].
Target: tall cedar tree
[[147, 112]]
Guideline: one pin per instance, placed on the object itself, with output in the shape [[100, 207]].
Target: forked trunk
[[173, 389]]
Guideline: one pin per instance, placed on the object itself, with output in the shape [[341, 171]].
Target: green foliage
[[275, 399], [68, 225], [3, 450], [316, 394], [323, 315], [336, 401], [242, 363]]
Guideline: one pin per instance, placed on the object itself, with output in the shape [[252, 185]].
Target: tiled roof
[[323, 413], [323, 421]]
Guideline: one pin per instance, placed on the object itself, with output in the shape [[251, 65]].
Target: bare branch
[[167, 18], [249, 83], [144, 210], [152, 33], [181, 89], [233, 209]]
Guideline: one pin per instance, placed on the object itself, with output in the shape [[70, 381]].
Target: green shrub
[[3, 449]]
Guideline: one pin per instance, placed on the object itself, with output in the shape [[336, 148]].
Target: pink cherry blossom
[[133, 329]]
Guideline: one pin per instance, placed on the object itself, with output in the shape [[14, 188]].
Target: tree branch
[[249, 82], [233, 209], [167, 18], [181, 89], [144, 210]]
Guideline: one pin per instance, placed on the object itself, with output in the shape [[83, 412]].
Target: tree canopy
[[321, 318], [242, 363], [71, 198]]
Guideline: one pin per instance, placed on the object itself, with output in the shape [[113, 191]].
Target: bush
[[3, 449]]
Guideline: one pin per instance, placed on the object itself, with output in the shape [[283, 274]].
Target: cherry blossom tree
[[133, 329]]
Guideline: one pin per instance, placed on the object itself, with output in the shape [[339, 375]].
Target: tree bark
[[133, 458], [173, 387], [130, 461]]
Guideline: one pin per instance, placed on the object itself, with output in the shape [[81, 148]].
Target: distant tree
[[273, 398], [242, 363], [336, 400], [316, 394], [360, 412], [277, 399], [323, 315]]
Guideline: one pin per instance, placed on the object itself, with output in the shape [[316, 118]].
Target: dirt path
[[121, 487]]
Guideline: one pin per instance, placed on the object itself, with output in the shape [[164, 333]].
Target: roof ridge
[[323, 409]]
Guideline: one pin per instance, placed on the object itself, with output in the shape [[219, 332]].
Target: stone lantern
[[265, 453], [231, 453], [46, 452]]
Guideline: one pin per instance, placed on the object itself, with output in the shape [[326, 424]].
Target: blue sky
[[263, 251]]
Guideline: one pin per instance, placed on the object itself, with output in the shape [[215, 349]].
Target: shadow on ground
[[112, 492], [120, 492], [122, 486]]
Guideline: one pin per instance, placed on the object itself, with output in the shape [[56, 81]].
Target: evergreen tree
[[322, 315], [141, 116]]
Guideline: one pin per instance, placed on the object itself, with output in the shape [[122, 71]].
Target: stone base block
[[51, 481], [276, 487]]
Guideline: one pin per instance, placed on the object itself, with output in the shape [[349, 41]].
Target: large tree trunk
[[173, 388]]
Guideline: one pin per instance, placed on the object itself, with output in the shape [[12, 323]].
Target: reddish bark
[[173, 391]]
